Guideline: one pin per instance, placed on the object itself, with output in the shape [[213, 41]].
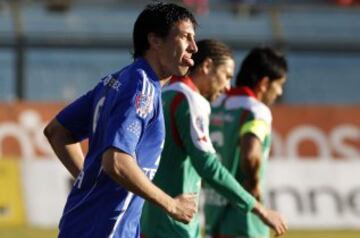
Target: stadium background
[[54, 50]]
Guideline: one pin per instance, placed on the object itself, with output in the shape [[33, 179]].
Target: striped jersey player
[[188, 157], [235, 114], [241, 131]]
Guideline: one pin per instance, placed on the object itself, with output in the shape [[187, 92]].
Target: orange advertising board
[[21, 129], [298, 131], [316, 131]]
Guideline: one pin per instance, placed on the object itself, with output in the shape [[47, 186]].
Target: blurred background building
[[42, 39], [52, 51]]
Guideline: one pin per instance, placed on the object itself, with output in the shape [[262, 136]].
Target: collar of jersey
[[241, 91], [146, 66], [184, 79]]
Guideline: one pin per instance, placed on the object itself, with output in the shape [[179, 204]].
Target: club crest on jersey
[[143, 104], [217, 119]]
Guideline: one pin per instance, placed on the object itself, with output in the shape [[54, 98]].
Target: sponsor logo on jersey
[[217, 120], [110, 81]]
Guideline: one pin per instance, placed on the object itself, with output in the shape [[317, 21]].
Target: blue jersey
[[123, 111]]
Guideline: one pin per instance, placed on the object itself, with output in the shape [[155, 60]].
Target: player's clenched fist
[[184, 207]]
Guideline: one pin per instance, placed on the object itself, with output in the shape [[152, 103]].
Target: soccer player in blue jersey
[[123, 119]]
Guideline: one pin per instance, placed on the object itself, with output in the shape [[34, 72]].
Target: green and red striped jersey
[[188, 157], [234, 114]]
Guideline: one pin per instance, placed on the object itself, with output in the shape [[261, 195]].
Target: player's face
[[275, 90], [177, 48], [220, 77]]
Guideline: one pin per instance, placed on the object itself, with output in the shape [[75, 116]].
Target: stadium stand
[[321, 40]]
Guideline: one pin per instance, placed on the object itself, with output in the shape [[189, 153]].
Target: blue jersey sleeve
[[76, 116], [130, 115]]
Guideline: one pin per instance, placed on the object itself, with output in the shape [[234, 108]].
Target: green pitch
[[323, 234], [27, 232]]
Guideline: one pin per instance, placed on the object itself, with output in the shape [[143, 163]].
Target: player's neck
[[198, 82], [155, 65]]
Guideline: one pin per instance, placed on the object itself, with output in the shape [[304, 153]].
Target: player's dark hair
[[157, 18], [259, 63], [216, 50]]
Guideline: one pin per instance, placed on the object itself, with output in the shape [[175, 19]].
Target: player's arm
[[200, 150], [223, 182], [252, 136], [65, 132], [218, 177], [65, 146], [250, 152], [122, 168], [120, 145]]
